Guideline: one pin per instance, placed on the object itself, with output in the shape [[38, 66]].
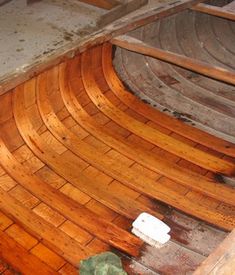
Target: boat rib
[[82, 157]]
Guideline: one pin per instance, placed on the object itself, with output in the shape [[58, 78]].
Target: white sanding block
[[151, 230]]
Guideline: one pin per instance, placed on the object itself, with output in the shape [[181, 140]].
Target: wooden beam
[[121, 11], [104, 4], [217, 11], [194, 65], [222, 260]]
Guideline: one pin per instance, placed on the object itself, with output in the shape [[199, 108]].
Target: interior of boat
[[137, 120]]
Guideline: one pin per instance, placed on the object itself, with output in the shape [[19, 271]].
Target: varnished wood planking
[[38, 227], [88, 123], [129, 149], [68, 169], [115, 164], [106, 163], [20, 258], [117, 170], [63, 204], [163, 120], [176, 147], [91, 87]]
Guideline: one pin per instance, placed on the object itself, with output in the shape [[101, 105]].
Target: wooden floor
[[185, 94], [81, 158]]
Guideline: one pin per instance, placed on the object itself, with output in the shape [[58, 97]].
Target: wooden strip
[[146, 132], [70, 209], [156, 116], [166, 195], [146, 158], [108, 165], [52, 237], [121, 11], [102, 162], [222, 260], [20, 259], [104, 4], [66, 168], [213, 10], [195, 65]]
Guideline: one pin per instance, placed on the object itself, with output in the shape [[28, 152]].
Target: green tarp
[[103, 264]]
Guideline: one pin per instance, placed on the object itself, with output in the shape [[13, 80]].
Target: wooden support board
[[227, 11], [195, 65]]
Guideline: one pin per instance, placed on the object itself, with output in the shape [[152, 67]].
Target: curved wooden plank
[[119, 171], [21, 259], [72, 210], [66, 168], [167, 195], [104, 163], [156, 116], [178, 148], [55, 239]]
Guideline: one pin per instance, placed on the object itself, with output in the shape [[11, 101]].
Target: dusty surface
[[29, 34]]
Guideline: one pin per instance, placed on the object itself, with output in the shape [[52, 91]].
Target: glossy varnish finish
[[81, 158]]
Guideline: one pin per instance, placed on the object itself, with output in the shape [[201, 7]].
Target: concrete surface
[[31, 33]]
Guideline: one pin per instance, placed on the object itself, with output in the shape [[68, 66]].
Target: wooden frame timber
[[136, 45], [217, 11]]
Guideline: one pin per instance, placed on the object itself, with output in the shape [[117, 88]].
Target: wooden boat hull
[[82, 157]]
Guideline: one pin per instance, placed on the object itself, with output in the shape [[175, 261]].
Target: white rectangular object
[[151, 230]]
